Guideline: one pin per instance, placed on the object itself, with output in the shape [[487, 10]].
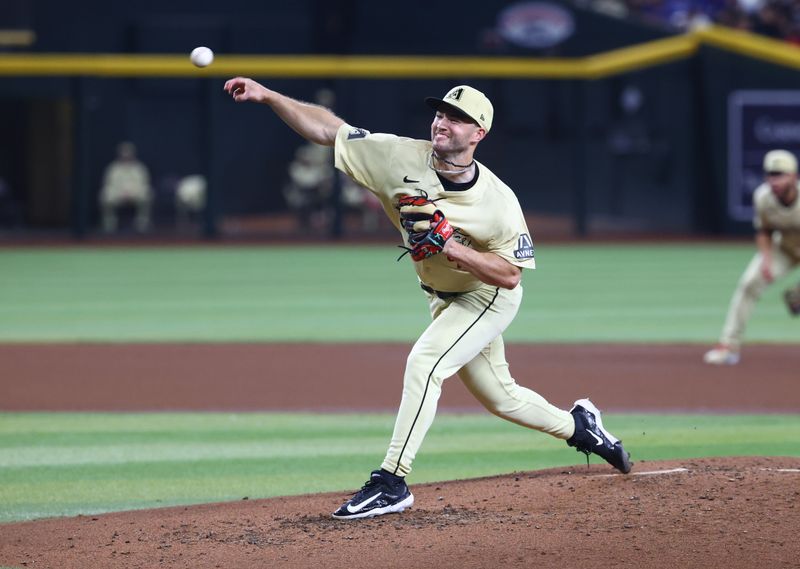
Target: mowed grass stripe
[[187, 294], [578, 293], [67, 464]]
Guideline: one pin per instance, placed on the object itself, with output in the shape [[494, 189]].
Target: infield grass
[[64, 464], [321, 293]]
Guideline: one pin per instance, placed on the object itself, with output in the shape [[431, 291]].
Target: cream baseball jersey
[[486, 216], [770, 213]]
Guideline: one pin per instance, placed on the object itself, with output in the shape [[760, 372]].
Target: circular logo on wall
[[535, 24]]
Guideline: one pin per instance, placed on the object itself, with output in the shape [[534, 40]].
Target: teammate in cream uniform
[[777, 224], [471, 277]]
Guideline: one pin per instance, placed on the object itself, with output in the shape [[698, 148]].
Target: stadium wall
[[625, 147]]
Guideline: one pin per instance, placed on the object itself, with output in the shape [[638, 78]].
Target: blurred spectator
[[310, 185], [677, 14], [126, 182], [748, 6], [772, 21], [310, 190], [779, 19], [190, 198], [311, 172], [732, 16]]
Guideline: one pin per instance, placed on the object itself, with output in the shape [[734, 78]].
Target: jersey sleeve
[[365, 157], [759, 203], [514, 242]]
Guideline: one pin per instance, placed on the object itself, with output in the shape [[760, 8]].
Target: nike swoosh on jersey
[[407, 180], [358, 507]]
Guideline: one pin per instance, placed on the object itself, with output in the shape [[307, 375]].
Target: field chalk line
[[680, 470], [646, 473]]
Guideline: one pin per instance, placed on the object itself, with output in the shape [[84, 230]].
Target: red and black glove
[[427, 227]]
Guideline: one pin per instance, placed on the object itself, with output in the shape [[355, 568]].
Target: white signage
[[758, 121]]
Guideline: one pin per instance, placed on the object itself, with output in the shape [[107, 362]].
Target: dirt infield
[[722, 512], [716, 513], [144, 377]]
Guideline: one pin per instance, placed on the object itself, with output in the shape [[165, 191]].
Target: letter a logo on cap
[[456, 94], [468, 101]]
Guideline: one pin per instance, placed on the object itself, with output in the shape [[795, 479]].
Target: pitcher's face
[[452, 133]]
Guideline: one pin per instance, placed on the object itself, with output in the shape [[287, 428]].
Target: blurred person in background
[[308, 192], [126, 182], [190, 198], [777, 224], [311, 177], [772, 21], [734, 16], [777, 19]]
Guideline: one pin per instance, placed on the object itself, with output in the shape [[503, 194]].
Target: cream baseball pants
[[749, 289], [465, 338]]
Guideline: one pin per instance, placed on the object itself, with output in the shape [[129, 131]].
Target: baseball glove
[[427, 227], [792, 298]]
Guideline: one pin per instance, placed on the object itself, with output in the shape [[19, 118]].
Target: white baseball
[[202, 56]]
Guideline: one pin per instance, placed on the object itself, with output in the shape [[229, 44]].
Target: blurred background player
[[126, 182], [777, 223]]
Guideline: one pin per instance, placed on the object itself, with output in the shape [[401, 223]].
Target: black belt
[[439, 293]]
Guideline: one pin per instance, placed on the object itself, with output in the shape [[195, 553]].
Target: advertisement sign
[[758, 121], [535, 25]]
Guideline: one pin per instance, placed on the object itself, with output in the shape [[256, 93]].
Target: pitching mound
[[724, 512]]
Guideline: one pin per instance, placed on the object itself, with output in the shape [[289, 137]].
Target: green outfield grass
[[586, 293], [66, 464], [62, 464]]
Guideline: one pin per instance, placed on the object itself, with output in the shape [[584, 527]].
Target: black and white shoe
[[383, 493], [591, 437]]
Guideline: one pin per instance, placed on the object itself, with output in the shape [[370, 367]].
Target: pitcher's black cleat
[[383, 493], [591, 437]]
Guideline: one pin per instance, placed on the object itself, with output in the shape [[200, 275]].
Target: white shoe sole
[[729, 359], [392, 509]]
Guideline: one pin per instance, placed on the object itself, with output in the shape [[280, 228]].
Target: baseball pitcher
[[464, 230]]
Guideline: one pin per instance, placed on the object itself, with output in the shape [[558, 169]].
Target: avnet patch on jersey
[[524, 248], [357, 133]]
